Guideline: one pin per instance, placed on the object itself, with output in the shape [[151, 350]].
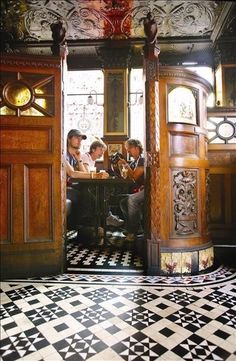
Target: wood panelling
[[5, 196], [183, 145], [222, 160], [23, 139], [33, 190], [38, 203], [217, 199], [222, 205], [233, 183]]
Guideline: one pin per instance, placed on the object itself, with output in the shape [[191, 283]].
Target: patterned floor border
[[222, 274]]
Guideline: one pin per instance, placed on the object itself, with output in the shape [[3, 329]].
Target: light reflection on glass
[[32, 112], [17, 94], [7, 111], [19, 98]]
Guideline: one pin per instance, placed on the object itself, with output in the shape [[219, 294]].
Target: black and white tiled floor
[[100, 317], [113, 258]]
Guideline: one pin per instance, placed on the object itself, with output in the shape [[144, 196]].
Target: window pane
[[221, 130], [204, 71], [84, 104], [136, 105]]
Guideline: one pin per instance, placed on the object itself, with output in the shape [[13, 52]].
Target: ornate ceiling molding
[[186, 29], [31, 19]]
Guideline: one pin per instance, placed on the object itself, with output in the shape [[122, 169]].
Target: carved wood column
[[176, 169], [152, 189]]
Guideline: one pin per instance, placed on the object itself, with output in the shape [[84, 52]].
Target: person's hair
[[97, 144], [134, 143]]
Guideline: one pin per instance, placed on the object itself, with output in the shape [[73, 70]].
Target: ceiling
[[187, 30]]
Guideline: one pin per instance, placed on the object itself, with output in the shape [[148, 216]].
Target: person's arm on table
[[80, 174]]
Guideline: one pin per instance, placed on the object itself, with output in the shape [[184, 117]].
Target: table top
[[108, 181]]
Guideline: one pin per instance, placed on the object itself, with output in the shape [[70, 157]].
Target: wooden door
[[31, 222]]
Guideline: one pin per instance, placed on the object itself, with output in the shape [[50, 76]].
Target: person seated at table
[[132, 204], [96, 151], [75, 169]]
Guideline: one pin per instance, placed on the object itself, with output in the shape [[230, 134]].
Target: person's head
[[97, 149], [134, 147], [74, 138]]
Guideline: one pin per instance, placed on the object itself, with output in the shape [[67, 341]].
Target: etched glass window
[[136, 104], [84, 108]]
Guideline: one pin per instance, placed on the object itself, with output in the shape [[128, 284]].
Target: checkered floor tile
[[117, 317], [94, 259]]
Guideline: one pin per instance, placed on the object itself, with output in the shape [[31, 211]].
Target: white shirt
[[86, 158]]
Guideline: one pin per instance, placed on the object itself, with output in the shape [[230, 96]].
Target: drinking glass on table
[[93, 171]]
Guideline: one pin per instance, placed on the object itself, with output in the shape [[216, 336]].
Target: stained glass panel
[[28, 94]]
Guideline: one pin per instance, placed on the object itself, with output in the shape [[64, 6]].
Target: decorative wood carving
[[24, 63], [152, 159], [153, 178], [114, 57], [59, 38], [185, 202], [151, 69], [150, 28]]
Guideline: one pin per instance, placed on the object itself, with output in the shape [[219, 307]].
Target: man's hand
[[102, 175], [77, 155], [122, 161]]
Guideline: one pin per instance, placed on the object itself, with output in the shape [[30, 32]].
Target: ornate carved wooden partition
[[31, 171], [177, 172]]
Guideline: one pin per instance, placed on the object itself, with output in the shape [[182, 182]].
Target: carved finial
[[150, 28], [58, 36]]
